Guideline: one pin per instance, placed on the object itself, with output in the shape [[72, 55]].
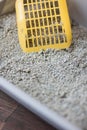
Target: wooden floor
[[13, 116]]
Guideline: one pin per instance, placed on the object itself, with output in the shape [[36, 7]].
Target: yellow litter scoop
[[43, 24]]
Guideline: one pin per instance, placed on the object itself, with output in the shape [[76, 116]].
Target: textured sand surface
[[57, 78]]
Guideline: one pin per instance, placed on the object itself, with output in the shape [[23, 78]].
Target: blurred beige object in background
[[7, 6]]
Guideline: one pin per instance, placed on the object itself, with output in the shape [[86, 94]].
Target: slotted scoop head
[[43, 24]]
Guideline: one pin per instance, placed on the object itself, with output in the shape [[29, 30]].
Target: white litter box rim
[[35, 106]]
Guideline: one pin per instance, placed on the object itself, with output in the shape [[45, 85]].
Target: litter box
[[36, 107]]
